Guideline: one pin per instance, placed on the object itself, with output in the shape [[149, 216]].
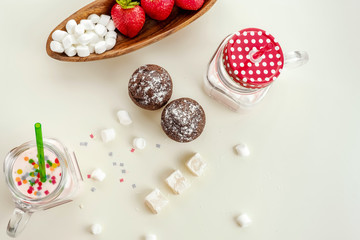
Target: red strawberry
[[128, 16], [189, 4], [158, 9]]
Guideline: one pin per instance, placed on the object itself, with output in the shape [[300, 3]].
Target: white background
[[301, 181]]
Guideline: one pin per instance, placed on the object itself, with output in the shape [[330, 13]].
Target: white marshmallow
[[242, 150], [124, 117], [94, 37], [70, 25], [111, 34], [91, 47], [83, 51], [94, 18], [59, 35], [243, 220], [98, 175], [150, 237], [156, 201], [79, 30], [100, 30], [85, 38], [96, 229], [196, 165], [100, 47], [110, 26], [88, 24], [55, 46], [139, 143], [177, 182], [68, 41], [71, 51], [110, 43], [107, 135], [104, 19]]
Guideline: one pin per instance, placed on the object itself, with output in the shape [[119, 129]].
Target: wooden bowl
[[152, 31]]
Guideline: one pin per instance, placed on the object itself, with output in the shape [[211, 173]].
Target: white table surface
[[301, 181]]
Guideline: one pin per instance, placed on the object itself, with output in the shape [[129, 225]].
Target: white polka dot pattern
[[237, 61]]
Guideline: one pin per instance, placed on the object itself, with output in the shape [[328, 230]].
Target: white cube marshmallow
[[104, 19], [88, 24], [100, 47], [85, 38], [110, 43], [243, 220], [177, 182], [55, 46], [59, 35], [150, 237], [242, 150], [110, 26], [96, 229], [79, 30], [124, 117], [70, 26], [94, 37], [71, 51], [196, 165], [100, 30], [111, 34], [156, 201], [94, 18], [139, 143], [108, 135], [91, 47], [98, 175], [82, 51], [68, 41]]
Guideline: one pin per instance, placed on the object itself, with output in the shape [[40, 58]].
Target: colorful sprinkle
[[19, 171], [88, 176], [46, 192], [26, 158], [123, 171], [114, 163], [19, 183], [91, 136], [121, 164], [132, 150], [25, 181], [158, 145], [121, 180], [36, 166], [17, 179]]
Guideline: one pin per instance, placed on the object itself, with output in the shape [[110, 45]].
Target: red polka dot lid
[[253, 58]]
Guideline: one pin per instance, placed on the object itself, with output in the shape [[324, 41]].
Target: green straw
[[40, 149]]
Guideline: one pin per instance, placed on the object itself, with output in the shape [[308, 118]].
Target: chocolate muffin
[[183, 120], [150, 87]]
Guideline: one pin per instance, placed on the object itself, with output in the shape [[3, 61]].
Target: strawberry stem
[[127, 4]]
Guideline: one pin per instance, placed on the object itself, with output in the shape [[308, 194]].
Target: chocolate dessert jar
[[245, 66]]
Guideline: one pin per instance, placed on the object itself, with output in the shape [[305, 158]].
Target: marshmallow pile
[[93, 35]]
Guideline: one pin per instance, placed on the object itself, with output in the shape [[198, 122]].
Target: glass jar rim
[[12, 157]]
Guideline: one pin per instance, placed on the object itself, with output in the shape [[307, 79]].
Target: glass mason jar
[[28, 192], [244, 67]]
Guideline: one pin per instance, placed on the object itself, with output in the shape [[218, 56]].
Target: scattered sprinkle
[[91, 135], [121, 164], [93, 189], [110, 154], [88, 176], [114, 163], [133, 186], [132, 150], [123, 171], [121, 180], [158, 145], [83, 144]]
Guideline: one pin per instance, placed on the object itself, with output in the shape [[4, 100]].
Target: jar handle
[[17, 222], [295, 59]]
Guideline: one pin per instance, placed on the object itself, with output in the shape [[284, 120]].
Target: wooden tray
[[152, 31]]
